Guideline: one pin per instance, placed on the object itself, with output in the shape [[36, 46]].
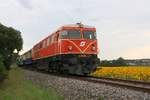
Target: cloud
[[122, 26], [138, 52], [25, 3], [147, 34]]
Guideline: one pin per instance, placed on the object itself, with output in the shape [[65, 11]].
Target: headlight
[[93, 48], [70, 48]]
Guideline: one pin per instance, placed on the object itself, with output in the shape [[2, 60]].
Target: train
[[71, 49]]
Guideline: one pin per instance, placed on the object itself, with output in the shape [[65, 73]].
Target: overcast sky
[[123, 26]]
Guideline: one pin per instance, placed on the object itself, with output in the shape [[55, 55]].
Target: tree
[[105, 63], [3, 72], [120, 62], [10, 40]]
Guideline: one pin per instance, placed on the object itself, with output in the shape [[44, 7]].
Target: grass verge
[[16, 88]]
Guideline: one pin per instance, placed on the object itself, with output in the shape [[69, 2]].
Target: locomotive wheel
[[64, 69], [55, 67], [73, 61], [51, 67], [85, 70], [76, 69]]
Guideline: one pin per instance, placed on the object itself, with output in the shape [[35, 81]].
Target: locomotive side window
[[48, 42], [44, 44], [40, 46], [53, 38], [89, 34]]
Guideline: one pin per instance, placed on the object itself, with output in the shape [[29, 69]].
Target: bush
[[3, 72]]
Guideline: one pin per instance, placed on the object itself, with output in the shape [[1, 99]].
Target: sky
[[123, 26]]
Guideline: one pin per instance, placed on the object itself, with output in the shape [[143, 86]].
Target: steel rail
[[124, 80], [129, 84]]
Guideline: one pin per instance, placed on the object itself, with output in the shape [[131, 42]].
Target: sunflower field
[[134, 73]]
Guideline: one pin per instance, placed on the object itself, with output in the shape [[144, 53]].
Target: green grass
[[15, 88]]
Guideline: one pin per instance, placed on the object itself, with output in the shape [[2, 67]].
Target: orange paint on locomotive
[[54, 45]]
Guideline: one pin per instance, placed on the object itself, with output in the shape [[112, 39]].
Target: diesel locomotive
[[72, 49]]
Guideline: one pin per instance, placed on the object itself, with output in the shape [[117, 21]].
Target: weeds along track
[[123, 83]]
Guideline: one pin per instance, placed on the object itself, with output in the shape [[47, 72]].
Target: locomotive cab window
[[74, 34], [89, 34], [71, 34]]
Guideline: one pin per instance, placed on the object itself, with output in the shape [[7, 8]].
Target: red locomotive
[[72, 49]]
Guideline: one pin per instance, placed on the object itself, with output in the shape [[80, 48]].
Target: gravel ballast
[[73, 89]]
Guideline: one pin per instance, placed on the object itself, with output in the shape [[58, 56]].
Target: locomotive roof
[[79, 25]]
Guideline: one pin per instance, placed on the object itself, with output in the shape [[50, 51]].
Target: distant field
[[130, 72], [15, 88]]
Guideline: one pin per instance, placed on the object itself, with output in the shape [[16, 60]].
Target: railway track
[[130, 84], [123, 83]]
